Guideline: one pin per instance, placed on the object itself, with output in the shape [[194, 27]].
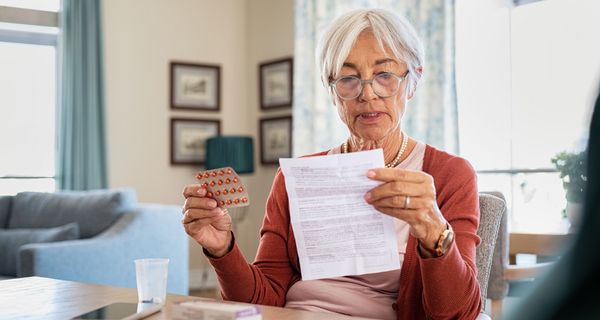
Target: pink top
[[369, 295]]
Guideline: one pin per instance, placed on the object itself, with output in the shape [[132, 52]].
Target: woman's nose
[[367, 92]]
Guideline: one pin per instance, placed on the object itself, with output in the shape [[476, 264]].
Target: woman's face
[[368, 116]]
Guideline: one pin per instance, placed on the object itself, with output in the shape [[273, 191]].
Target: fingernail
[[368, 196], [212, 204], [201, 191], [371, 174]]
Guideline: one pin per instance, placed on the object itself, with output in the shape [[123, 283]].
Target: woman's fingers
[[396, 174], [223, 222], [397, 185], [190, 215], [220, 222], [199, 203], [396, 188], [402, 202], [194, 190]]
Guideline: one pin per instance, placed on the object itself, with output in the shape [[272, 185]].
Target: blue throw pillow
[[11, 241], [94, 210]]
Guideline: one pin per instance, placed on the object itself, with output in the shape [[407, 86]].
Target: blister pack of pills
[[225, 186]]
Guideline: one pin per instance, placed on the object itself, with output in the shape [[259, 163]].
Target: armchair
[[492, 213]]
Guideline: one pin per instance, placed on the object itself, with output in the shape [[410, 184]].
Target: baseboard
[[201, 279]]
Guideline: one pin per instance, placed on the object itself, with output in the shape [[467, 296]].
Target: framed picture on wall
[[188, 139], [276, 84], [195, 86], [275, 139]]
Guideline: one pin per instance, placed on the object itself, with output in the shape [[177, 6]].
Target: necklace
[[392, 164]]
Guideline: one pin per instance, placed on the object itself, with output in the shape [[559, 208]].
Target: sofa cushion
[[12, 239], [94, 211], [5, 204]]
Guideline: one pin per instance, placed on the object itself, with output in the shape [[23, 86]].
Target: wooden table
[[44, 298]]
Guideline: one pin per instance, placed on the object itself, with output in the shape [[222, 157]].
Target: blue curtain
[[81, 140], [431, 116]]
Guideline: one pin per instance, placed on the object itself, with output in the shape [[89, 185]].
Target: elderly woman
[[371, 62]]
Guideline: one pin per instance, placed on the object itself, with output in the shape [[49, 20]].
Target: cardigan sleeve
[[267, 280], [450, 287]]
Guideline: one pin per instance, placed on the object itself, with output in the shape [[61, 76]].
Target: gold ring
[[406, 202]]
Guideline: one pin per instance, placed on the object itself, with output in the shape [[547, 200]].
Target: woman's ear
[[418, 74]]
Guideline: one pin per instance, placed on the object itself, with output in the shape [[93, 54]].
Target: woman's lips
[[370, 117]]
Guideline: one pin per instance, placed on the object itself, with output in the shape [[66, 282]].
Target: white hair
[[389, 29]]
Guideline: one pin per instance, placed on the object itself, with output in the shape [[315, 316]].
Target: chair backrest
[[497, 287], [492, 210]]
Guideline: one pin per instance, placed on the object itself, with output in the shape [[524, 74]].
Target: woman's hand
[[206, 223], [420, 210]]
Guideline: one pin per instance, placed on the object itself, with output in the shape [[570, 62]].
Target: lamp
[[231, 151]]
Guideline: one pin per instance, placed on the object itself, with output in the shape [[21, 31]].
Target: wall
[[270, 30], [140, 38]]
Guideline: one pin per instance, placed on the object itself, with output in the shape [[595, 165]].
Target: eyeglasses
[[385, 85]]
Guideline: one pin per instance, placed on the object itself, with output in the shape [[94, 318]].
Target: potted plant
[[572, 168]]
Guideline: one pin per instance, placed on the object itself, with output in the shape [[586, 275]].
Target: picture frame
[[188, 139], [195, 86], [275, 139], [276, 85]]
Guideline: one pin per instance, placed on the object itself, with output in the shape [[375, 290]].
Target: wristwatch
[[443, 244]]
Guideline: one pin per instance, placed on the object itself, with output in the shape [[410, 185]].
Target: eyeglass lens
[[384, 85]]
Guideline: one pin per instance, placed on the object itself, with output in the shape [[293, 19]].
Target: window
[[27, 96], [526, 79]]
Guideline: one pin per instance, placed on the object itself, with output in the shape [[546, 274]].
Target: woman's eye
[[347, 79], [384, 75]]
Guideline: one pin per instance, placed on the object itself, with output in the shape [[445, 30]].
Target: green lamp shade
[[230, 151]]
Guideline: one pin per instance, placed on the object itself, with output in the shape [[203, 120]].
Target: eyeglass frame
[[369, 81]]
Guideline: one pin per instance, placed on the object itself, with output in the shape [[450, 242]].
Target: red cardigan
[[435, 288]]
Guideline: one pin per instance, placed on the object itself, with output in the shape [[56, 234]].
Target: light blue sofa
[[111, 230]]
